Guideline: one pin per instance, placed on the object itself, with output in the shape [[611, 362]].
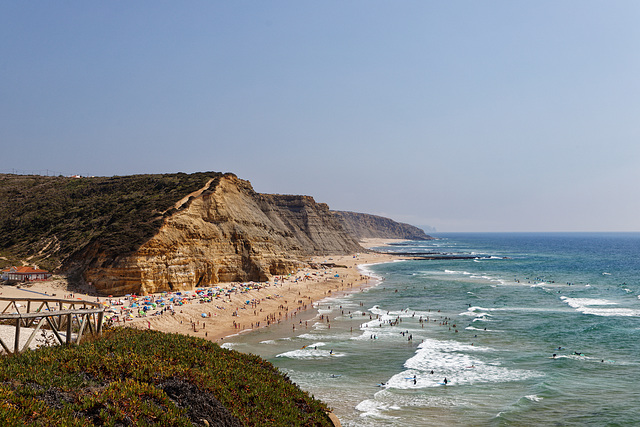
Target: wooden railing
[[67, 320]]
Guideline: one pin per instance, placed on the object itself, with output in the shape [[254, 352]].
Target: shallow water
[[488, 325]]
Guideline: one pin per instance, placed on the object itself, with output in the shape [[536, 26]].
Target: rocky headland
[[152, 233]]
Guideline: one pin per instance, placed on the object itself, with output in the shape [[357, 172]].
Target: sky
[[460, 115]]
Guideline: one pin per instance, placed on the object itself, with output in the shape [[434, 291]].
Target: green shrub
[[130, 377]]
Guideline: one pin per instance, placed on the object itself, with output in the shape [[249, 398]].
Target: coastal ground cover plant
[[134, 377]]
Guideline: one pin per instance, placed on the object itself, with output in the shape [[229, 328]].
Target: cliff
[[363, 226], [224, 232], [149, 233]]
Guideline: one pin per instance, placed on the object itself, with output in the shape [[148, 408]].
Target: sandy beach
[[225, 309]]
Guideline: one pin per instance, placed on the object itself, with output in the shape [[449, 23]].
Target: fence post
[[16, 346]]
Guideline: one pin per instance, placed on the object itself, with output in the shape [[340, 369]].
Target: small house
[[25, 274]]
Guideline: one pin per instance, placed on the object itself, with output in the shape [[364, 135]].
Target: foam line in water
[[458, 362], [373, 408], [310, 353], [597, 307]]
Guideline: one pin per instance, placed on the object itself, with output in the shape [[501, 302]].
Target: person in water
[[445, 381]]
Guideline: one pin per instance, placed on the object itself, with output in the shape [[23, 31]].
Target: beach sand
[[229, 314]]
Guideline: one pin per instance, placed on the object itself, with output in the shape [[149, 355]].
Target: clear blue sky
[[463, 115]]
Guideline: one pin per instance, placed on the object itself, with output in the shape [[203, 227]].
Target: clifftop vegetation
[[48, 219]]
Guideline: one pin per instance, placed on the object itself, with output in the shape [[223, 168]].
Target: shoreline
[[236, 308]]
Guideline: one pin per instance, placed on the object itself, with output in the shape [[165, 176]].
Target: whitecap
[[586, 302], [229, 345], [309, 353], [317, 344], [599, 307], [372, 408], [458, 362]]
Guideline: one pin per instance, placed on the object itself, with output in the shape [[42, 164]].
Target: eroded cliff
[[223, 232], [363, 226]]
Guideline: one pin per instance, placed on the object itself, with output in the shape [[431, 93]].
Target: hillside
[[132, 377], [46, 220], [364, 226]]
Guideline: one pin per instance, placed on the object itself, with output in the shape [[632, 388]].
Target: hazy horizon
[[463, 116]]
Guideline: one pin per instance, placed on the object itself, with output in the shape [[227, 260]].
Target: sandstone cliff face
[[224, 232], [363, 226]]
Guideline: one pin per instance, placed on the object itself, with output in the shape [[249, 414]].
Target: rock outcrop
[[364, 226], [223, 232]]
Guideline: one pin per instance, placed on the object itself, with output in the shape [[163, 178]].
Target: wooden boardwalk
[[67, 320]]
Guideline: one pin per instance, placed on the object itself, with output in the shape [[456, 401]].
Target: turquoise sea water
[[489, 325]]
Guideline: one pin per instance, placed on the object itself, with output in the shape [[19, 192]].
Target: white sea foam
[[471, 328], [309, 353], [372, 408], [268, 342], [465, 273], [308, 336], [534, 398], [599, 307], [317, 344], [612, 312], [458, 362], [229, 345], [586, 302]]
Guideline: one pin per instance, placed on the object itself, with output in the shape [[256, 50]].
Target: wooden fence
[[67, 320]]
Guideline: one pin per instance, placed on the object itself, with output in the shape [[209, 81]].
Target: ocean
[[533, 329]]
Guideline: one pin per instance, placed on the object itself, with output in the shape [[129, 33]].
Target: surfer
[[414, 380], [445, 381]]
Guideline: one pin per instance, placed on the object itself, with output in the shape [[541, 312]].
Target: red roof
[[23, 270]]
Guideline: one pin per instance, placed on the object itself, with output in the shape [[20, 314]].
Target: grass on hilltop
[[48, 219]]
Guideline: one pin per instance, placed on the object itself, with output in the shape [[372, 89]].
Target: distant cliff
[[363, 226]]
